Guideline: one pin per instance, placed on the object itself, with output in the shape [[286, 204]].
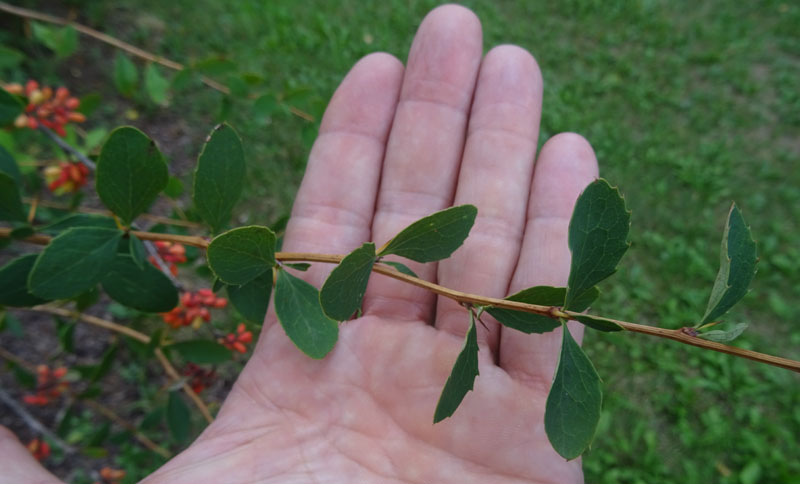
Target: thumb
[[17, 463]]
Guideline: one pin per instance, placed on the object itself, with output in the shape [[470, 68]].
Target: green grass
[[688, 105]]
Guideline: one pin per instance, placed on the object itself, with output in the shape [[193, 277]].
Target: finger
[[18, 464], [495, 176], [333, 211], [425, 146], [565, 166]]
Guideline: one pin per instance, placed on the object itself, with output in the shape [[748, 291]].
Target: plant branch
[[131, 49], [67, 147], [33, 423], [463, 297], [138, 336], [146, 216]]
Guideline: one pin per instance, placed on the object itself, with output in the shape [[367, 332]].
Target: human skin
[[396, 144]]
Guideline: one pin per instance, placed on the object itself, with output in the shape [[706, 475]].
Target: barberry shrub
[[86, 252]]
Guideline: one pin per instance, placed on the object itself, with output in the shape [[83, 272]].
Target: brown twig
[[131, 49], [146, 216], [33, 423], [463, 297], [138, 336], [97, 406]]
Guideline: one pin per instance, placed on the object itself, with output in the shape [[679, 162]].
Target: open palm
[[395, 145]]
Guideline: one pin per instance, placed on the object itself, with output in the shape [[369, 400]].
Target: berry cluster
[[49, 385], [39, 448], [237, 341], [110, 476], [193, 309], [171, 253], [199, 378], [46, 107], [66, 177]]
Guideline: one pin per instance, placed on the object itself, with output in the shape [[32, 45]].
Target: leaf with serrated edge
[[400, 268], [738, 260], [131, 172], [434, 237], [73, 262], [219, 177], [598, 233], [252, 299], [726, 335], [462, 377], [240, 255], [574, 402], [344, 288], [598, 323], [299, 312]]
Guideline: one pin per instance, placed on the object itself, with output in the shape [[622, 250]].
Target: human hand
[[394, 146]]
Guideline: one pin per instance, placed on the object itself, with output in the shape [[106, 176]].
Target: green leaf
[[86, 298], [104, 366], [184, 79], [240, 255], [434, 237], [8, 165], [79, 220], [10, 107], [298, 266], [202, 351], [126, 75], [299, 311], [219, 177], [66, 332], [178, 417], [137, 250], [724, 336], [462, 377], [573, 405], [400, 268], [140, 287], [10, 322], [174, 188], [155, 84], [10, 58], [252, 299], [73, 262], [131, 172], [598, 237], [10, 201], [598, 323], [14, 282], [738, 260], [344, 289], [22, 232], [529, 322], [61, 40]]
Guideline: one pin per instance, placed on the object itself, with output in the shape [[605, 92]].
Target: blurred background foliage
[[689, 105]]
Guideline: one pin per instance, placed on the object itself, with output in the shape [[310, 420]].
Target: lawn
[[689, 105]]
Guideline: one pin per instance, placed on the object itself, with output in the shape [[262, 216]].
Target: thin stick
[[131, 49], [463, 297], [146, 216], [34, 424], [67, 147], [141, 337]]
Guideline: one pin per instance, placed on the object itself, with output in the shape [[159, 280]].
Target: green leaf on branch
[[298, 266], [174, 188], [141, 287], [7, 163], [598, 323], [10, 201], [73, 262], [400, 268], [252, 299], [126, 75], [598, 238], [738, 260], [155, 84], [574, 402], [14, 283], [131, 172], [434, 237], [344, 289], [102, 368], [61, 40], [541, 296], [22, 232], [66, 332], [79, 220], [219, 177], [240, 255], [462, 377], [298, 308], [178, 417], [10, 107], [202, 351], [137, 251], [726, 335]]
